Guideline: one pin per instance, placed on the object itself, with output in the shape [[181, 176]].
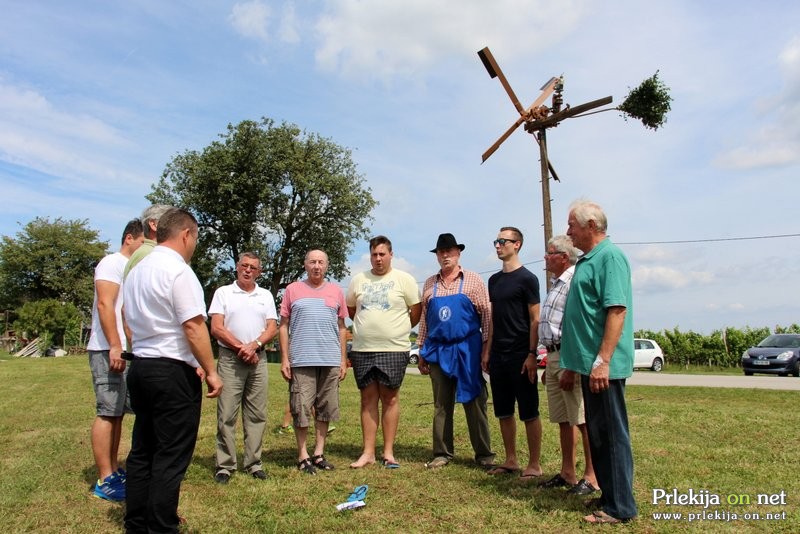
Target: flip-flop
[[355, 500], [502, 470], [358, 493], [600, 517], [523, 476], [389, 464]]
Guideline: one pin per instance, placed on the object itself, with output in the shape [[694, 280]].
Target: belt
[[553, 348]]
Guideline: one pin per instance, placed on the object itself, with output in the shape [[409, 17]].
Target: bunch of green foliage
[[50, 260], [54, 321], [272, 189], [649, 103]]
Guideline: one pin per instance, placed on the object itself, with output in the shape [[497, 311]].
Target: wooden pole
[[548, 216]]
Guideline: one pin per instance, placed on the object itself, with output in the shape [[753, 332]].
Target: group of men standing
[[466, 330], [586, 325]]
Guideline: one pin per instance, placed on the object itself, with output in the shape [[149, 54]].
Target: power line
[[712, 240]]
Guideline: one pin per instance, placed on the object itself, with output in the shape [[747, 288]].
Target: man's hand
[[485, 361], [423, 366], [598, 378], [529, 368], [201, 374], [342, 371], [286, 371], [247, 353], [568, 380], [214, 384], [115, 362]]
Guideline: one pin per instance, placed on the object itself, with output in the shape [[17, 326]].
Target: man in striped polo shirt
[[314, 359]]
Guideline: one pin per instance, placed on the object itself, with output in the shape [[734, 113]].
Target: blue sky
[[96, 97]]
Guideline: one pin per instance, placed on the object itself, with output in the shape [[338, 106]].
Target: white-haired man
[[597, 343]]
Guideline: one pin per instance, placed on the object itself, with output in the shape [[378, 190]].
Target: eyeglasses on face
[[502, 241], [556, 253], [249, 267]]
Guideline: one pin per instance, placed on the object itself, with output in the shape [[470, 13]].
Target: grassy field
[[722, 442]]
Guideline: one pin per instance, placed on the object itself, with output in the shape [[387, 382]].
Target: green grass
[[725, 441]]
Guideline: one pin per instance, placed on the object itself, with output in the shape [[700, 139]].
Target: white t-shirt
[[161, 294], [246, 314], [109, 269]]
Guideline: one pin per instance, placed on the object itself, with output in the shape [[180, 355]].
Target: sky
[[96, 98]]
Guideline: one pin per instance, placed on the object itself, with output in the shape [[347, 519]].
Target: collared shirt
[[109, 269], [552, 311], [245, 312], [602, 280], [161, 294], [474, 289]]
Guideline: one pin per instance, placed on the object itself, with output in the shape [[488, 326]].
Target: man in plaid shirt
[[564, 396], [453, 332]]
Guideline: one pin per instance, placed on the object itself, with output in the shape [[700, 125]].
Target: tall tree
[[275, 190], [50, 260]]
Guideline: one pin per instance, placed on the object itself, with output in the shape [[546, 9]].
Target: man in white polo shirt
[[243, 319], [166, 313]]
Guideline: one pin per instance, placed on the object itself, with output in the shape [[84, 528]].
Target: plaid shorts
[[388, 368]]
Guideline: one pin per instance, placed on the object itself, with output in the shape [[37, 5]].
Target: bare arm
[[107, 293], [529, 367], [221, 333], [487, 347], [343, 345], [615, 319], [199, 341], [415, 312], [283, 341]]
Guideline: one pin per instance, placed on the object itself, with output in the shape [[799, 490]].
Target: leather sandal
[[320, 462], [306, 466]]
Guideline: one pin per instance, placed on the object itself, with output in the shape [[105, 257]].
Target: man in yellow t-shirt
[[384, 305]]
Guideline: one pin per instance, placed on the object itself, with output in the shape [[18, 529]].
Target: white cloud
[[288, 32], [776, 143], [665, 278], [250, 19], [36, 133], [653, 254], [384, 38]]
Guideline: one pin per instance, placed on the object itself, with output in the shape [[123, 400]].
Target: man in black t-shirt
[[511, 356]]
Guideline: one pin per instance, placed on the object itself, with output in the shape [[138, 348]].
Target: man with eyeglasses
[[564, 396], [510, 356], [243, 320]]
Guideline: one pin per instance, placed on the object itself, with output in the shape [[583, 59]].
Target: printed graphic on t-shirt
[[376, 295]]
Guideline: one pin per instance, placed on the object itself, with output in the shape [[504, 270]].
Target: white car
[[414, 354], [647, 354]]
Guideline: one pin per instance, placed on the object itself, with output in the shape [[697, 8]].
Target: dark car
[[778, 354]]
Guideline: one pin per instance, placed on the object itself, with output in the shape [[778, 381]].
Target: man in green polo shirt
[[597, 343]]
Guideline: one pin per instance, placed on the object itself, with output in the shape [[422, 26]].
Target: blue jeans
[[610, 444]]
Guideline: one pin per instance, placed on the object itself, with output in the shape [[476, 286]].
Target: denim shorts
[[110, 389]]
